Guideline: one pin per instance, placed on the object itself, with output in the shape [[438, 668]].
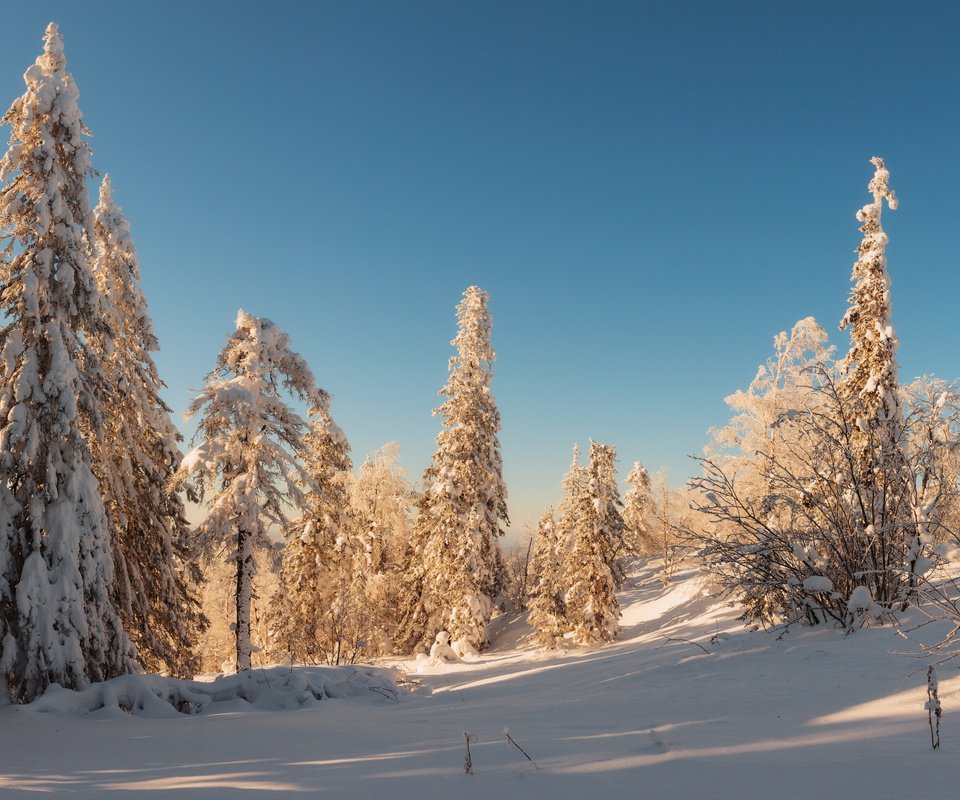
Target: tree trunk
[[244, 595]]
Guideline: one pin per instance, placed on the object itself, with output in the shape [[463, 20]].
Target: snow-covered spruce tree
[[57, 620], [313, 615], [547, 609], [592, 609], [575, 487], [887, 537], [246, 457], [455, 564], [636, 510], [134, 460]]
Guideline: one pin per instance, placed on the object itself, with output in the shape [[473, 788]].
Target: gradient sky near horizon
[[649, 191]]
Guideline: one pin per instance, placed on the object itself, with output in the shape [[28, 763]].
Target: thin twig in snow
[[506, 732], [388, 693], [933, 707], [676, 639], [467, 761]]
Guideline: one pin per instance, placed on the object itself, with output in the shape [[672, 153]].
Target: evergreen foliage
[[249, 439], [547, 608], [135, 458], [593, 612], [455, 563], [636, 508], [57, 618], [315, 612], [886, 537]]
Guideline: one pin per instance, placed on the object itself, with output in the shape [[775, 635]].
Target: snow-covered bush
[[826, 523], [274, 689]]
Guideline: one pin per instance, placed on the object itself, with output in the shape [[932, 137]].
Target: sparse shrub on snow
[[838, 517]]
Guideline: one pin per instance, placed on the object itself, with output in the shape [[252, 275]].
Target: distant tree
[[636, 511], [381, 506], [135, 458], [786, 381], [575, 488], [547, 607], [382, 501], [249, 439], [670, 515], [592, 609], [315, 612], [932, 422], [516, 571], [456, 566], [58, 623]]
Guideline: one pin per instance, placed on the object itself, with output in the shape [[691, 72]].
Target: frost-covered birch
[[456, 567], [382, 504], [135, 459], [57, 619], [246, 458]]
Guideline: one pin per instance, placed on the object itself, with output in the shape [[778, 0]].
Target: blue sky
[[648, 190]]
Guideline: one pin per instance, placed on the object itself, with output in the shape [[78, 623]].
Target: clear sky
[[648, 190]]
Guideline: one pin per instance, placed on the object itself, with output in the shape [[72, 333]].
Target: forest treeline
[[830, 497]]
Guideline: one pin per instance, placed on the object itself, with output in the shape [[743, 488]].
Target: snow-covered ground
[[813, 713]]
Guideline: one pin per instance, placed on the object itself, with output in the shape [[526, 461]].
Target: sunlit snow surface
[[810, 714]]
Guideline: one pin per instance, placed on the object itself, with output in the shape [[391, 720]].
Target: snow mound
[[271, 689]]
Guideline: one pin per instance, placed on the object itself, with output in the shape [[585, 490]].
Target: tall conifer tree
[[57, 619], [456, 564], [249, 441], [135, 459], [316, 559], [548, 611], [886, 536], [636, 507], [593, 612]]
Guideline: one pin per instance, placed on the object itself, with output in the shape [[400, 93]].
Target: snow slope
[[811, 714]]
